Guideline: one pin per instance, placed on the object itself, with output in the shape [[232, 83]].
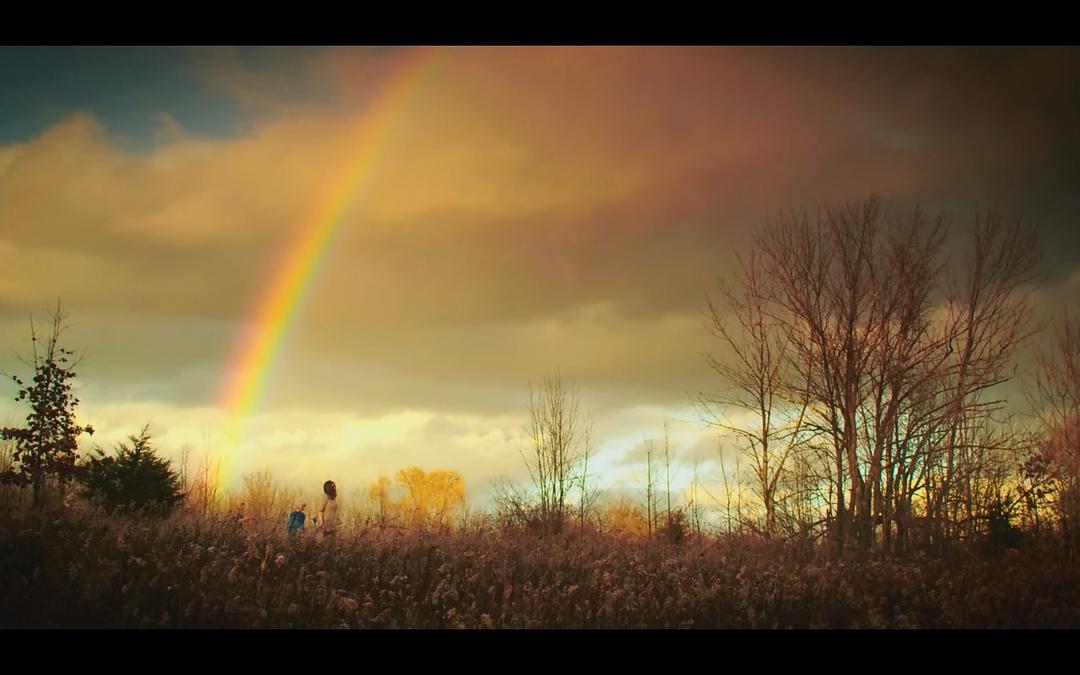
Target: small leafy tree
[[432, 497], [135, 477], [48, 444]]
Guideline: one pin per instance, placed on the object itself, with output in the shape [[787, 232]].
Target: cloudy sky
[[534, 210]]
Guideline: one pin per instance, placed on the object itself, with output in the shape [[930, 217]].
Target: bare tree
[[986, 320], [586, 497], [262, 497], [204, 492], [694, 506], [667, 467], [727, 487], [846, 347], [650, 487], [556, 435], [754, 374], [7, 455], [185, 471], [379, 494], [1054, 469]]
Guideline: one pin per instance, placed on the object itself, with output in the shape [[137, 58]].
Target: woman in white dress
[[328, 511]]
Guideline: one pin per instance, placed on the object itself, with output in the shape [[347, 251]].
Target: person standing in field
[[296, 520], [328, 511]]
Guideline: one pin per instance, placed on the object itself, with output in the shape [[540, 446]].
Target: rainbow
[[261, 341]]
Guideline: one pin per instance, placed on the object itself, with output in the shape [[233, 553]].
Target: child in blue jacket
[[296, 520]]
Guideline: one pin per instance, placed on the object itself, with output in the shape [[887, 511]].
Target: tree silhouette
[[48, 444], [556, 432], [135, 477]]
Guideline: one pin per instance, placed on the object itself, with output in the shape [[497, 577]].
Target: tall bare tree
[[667, 467], [556, 435], [987, 319], [586, 497], [753, 372], [650, 486], [848, 344], [1055, 467], [694, 506]]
